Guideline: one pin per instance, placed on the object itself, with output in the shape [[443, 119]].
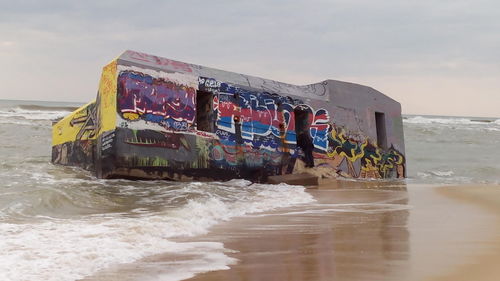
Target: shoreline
[[372, 231], [383, 254]]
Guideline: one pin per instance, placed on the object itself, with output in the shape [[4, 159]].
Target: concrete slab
[[305, 179]]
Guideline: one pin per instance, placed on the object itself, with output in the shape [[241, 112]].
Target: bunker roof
[[324, 90]]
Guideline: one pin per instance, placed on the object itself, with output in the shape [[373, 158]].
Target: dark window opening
[[304, 140], [204, 111], [381, 131], [301, 121]]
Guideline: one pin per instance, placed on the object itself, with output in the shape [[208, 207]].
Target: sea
[[61, 223]]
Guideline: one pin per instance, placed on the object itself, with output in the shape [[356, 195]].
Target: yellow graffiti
[[373, 162], [369, 171], [78, 125], [107, 98], [131, 116], [376, 156], [97, 116], [400, 158], [356, 151], [393, 159]]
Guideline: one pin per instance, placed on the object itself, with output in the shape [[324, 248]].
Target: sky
[[434, 57]]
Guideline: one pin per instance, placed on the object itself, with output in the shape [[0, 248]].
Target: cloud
[[295, 41], [7, 43]]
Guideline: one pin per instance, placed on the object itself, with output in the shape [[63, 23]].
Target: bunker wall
[[158, 118]]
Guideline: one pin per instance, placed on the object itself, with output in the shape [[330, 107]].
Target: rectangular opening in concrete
[[303, 136], [381, 131], [204, 120], [301, 119]]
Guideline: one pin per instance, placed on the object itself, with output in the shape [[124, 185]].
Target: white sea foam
[[443, 173], [370, 208], [70, 249], [444, 177], [448, 121], [437, 173], [25, 114], [20, 122]]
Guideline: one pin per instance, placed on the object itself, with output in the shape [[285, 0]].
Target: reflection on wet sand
[[351, 233], [354, 231]]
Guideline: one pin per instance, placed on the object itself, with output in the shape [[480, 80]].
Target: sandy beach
[[483, 266], [413, 233], [355, 231]]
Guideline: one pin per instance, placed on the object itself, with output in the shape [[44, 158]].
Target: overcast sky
[[435, 57]]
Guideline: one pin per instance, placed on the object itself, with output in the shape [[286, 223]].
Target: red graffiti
[[175, 65]]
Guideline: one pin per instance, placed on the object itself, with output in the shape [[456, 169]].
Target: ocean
[[452, 150], [61, 223]]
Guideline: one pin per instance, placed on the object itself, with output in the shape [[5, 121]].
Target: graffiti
[[155, 161], [158, 139], [175, 65], [247, 157], [209, 84], [319, 129], [266, 119], [373, 161], [180, 151], [225, 154], [155, 100], [267, 122], [159, 118], [77, 153], [87, 122], [107, 140], [315, 90], [343, 149], [106, 98], [392, 161], [370, 161]]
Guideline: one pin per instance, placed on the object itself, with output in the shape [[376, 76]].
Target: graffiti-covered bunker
[[156, 118]]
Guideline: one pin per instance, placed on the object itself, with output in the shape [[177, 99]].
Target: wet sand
[[484, 266], [355, 231], [422, 233]]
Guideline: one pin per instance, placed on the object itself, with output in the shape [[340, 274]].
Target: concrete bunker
[[156, 118]]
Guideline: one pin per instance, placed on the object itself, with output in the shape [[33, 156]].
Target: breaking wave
[[18, 114], [34, 107], [129, 221], [449, 120], [60, 223], [452, 149]]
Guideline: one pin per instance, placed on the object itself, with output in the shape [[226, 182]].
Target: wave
[[69, 249], [36, 107], [21, 113], [448, 120]]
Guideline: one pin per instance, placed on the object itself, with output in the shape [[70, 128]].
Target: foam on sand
[[64, 249]]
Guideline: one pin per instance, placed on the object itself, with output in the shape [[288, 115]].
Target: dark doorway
[[304, 140], [204, 111], [301, 120], [381, 131]]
